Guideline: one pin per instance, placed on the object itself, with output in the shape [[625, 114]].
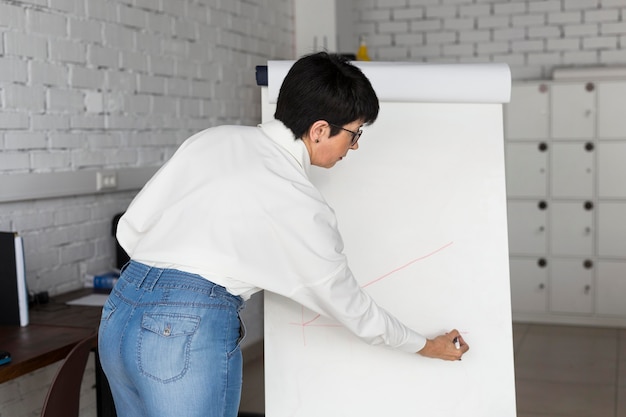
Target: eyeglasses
[[355, 135]]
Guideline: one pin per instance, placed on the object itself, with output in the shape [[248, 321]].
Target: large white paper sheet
[[422, 209]]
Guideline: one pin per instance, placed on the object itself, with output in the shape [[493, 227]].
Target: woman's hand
[[444, 347]]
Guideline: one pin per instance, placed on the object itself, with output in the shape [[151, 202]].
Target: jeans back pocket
[[164, 345]]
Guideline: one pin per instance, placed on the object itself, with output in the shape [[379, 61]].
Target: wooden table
[[54, 329], [58, 313], [36, 346]]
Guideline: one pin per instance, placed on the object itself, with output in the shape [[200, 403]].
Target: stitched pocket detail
[[164, 345]]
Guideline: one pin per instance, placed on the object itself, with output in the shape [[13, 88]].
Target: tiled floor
[[561, 371], [565, 371]]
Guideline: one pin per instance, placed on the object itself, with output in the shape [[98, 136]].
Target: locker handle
[[542, 286], [587, 289], [589, 146], [590, 87], [542, 263], [588, 205], [588, 264], [543, 147], [542, 205]]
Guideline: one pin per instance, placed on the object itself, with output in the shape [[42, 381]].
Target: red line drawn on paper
[[311, 323], [406, 265]]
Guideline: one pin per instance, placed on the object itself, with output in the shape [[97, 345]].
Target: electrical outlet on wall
[[106, 180]]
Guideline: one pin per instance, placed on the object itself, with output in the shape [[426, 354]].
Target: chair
[[121, 257], [63, 398]]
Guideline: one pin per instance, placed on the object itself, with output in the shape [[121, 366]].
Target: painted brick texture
[[106, 84], [532, 36]]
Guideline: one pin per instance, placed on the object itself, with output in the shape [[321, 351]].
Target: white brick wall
[[532, 36], [101, 84], [112, 83]]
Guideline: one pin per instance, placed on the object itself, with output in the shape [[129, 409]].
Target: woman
[[231, 213]]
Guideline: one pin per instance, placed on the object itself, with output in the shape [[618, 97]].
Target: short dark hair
[[328, 87]]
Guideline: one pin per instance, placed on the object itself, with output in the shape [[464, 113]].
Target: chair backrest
[[121, 257], [63, 399]]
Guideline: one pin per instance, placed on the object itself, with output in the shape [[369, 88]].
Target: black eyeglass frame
[[355, 135]]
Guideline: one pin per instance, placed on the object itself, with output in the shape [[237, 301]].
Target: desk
[[35, 346], [54, 329], [57, 313]]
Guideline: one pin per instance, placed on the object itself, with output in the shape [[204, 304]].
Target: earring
[[317, 141]]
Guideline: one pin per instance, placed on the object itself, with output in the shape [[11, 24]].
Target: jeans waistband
[[148, 277]]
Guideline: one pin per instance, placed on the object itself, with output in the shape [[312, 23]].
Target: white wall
[[532, 36], [93, 84]]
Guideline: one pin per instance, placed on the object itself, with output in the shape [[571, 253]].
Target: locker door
[[527, 227], [571, 288], [526, 166], [571, 227], [573, 111], [526, 115], [611, 288], [611, 105], [529, 289], [572, 170], [612, 169], [612, 229]]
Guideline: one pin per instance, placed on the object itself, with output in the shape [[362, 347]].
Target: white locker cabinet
[[578, 177], [571, 286], [612, 169], [612, 230], [571, 226], [526, 169], [572, 111], [527, 113], [528, 233], [611, 288], [612, 119], [571, 172], [529, 285]]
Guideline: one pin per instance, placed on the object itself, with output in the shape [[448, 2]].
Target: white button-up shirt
[[235, 205]]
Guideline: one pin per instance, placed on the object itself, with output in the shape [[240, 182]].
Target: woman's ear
[[318, 130]]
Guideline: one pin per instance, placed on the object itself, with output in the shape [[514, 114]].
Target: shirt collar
[[284, 137]]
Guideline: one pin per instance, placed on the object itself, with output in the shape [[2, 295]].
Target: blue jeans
[[169, 345]]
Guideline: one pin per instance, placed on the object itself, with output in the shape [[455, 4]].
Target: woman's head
[[325, 86]]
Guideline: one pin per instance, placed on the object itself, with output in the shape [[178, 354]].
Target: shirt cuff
[[414, 344]]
